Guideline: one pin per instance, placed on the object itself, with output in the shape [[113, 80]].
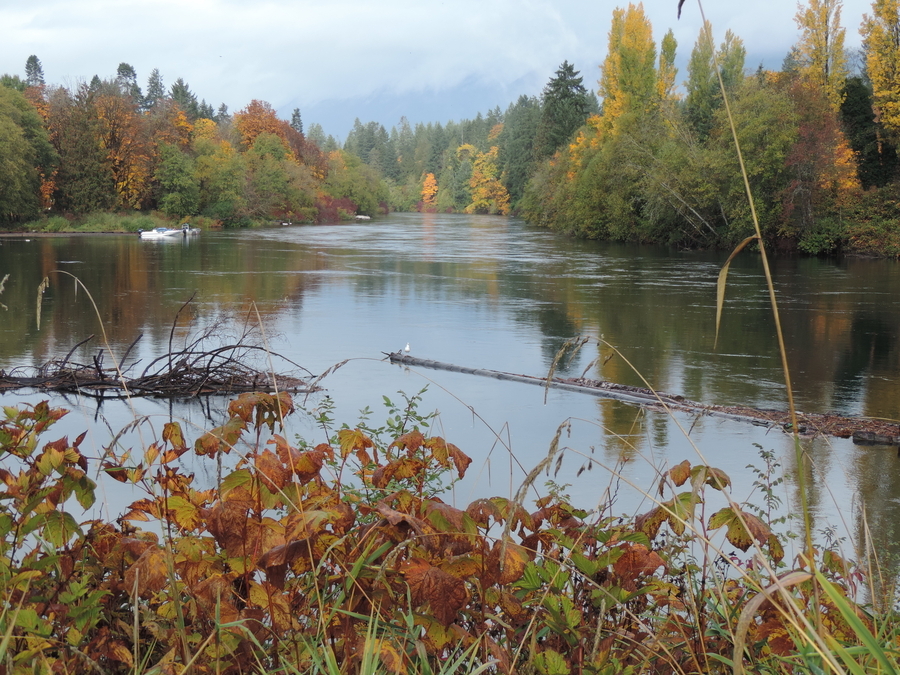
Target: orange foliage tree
[[429, 190]]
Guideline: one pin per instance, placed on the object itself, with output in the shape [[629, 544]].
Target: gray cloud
[[314, 54]]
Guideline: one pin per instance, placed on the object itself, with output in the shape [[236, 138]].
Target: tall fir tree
[[564, 108], [34, 72], [297, 121], [156, 90]]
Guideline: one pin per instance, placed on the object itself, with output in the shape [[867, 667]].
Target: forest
[[647, 158]]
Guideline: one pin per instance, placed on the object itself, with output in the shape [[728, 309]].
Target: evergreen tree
[[222, 114], [126, 78], [34, 72], [704, 95], [516, 143], [297, 121], [876, 156], [156, 91], [181, 93], [25, 154], [205, 111], [317, 135], [564, 109]]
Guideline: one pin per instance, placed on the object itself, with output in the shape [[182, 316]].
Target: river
[[492, 292]]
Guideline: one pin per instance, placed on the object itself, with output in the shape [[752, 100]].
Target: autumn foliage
[[343, 552]]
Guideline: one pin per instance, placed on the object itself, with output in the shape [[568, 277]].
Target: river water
[[492, 292]]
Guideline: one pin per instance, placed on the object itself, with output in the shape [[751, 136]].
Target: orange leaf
[[677, 474], [411, 441], [273, 473], [637, 560]]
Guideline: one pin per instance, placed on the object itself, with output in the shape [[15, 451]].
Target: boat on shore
[[169, 232]]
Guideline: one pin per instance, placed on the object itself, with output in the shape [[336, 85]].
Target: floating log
[[862, 430]]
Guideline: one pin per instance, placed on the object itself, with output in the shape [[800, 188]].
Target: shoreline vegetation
[[341, 556], [650, 160]]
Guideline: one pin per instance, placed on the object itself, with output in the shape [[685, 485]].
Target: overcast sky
[[342, 59]]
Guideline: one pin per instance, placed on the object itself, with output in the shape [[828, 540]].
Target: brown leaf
[[411, 441], [221, 439], [445, 453], [678, 475], [227, 523], [150, 572], [399, 469], [444, 517], [443, 592], [482, 510], [650, 522], [391, 657], [353, 440], [743, 527], [399, 519], [509, 561], [217, 590], [273, 473], [637, 560]]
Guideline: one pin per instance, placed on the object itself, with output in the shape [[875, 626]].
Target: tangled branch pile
[[196, 369]]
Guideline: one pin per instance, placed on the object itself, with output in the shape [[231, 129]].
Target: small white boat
[[169, 232]]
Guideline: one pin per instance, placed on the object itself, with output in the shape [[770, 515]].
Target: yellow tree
[[628, 80], [821, 47], [429, 190], [488, 193], [665, 81], [881, 41]]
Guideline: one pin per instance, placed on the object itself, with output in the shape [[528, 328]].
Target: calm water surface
[[491, 292]]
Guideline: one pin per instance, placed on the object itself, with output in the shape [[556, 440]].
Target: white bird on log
[[406, 349]]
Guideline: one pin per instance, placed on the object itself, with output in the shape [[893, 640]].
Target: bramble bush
[[341, 557]]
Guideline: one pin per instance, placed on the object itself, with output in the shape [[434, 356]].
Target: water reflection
[[491, 292]]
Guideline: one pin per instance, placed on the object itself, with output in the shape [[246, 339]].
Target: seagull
[[406, 349]]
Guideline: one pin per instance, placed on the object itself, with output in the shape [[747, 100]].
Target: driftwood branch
[[198, 369], [865, 431]]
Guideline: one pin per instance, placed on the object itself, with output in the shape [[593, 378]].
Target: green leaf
[[60, 527], [550, 662], [233, 480], [84, 492]]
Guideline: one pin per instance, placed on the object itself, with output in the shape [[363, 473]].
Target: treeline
[[648, 161], [474, 166], [107, 146], [819, 144], [653, 163]]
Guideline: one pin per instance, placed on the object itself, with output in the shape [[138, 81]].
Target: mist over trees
[[649, 157]]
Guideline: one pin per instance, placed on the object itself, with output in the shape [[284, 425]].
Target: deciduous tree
[[820, 50], [881, 41], [628, 81], [429, 190]]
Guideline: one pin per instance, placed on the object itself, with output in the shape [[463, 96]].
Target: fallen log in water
[[862, 430]]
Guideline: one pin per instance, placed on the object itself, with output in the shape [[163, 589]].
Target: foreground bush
[[341, 557]]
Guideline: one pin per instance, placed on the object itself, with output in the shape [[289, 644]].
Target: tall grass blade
[[860, 630], [723, 277]]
